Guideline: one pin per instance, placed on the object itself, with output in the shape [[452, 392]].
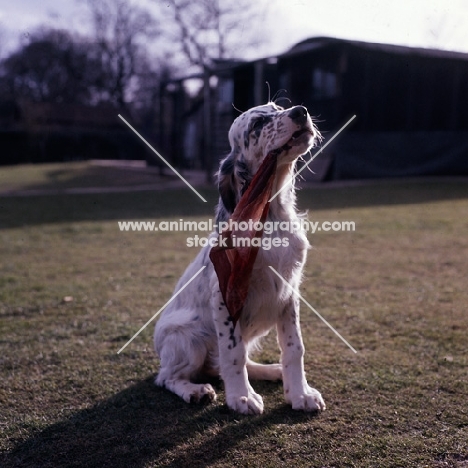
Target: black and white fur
[[195, 335]]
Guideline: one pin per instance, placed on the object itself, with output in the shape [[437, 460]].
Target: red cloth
[[233, 264]]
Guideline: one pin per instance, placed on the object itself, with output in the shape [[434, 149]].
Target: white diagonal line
[[161, 309], [157, 154], [312, 158], [313, 310]]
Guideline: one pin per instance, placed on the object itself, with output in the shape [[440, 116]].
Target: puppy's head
[[270, 128], [262, 130]]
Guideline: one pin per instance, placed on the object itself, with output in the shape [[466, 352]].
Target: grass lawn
[[80, 174], [73, 291]]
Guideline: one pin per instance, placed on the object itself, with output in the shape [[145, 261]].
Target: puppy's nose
[[298, 115]]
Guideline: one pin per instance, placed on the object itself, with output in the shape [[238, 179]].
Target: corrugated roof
[[317, 43]]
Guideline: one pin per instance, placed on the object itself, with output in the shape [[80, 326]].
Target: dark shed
[[410, 103]]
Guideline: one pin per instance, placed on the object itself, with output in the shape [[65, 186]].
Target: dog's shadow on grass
[[144, 424]]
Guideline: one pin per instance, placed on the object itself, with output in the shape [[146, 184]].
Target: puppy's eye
[[258, 124]]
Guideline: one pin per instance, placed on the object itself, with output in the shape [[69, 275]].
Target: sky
[[422, 23]]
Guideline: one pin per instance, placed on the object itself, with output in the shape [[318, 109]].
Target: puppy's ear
[[244, 176], [226, 184]]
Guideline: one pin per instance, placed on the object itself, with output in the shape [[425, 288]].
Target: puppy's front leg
[[296, 390], [240, 396]]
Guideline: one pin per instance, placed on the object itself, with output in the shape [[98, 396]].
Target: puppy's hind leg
[[258, 371], [182, 357]]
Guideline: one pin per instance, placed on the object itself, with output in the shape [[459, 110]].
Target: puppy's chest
[[286, 253], [268, 294]]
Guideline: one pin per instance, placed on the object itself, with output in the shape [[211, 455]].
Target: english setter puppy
[[195, 336]]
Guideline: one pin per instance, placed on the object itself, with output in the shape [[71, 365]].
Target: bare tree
[[52, 66], [2, 40], [121, 31], [208, 30], [213, 29]]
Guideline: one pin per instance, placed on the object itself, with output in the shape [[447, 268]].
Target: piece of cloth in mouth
[[234, 264]]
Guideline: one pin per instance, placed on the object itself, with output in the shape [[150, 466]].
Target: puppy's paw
[[197, 393], [203, 393], [308, 400], [250, 404]]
